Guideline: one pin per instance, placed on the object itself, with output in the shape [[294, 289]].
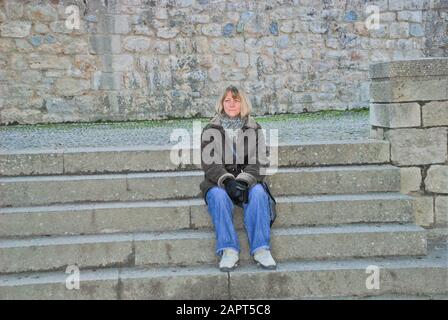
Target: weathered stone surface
[[193, 248], [13, 9], [58, 253], [399, 30], [416, 30], [136, 44], [175, 215], [168, 185], [441, 210], [323, 210], [411, 16], [39, 61], [406, 89], [102, 44], [94, 219], [71, 87], [15, 29], [346, 279], [94, 285], [41, 28], [27, 164], [424, 210], [60, 26], [395, 115], [107, 80], [410, 68], [113, 24], [212, 30], [376, 133], [418, 146], [41, 12], [435, 113], [167, 33], [408, 278], [138, 159], [119, 62], [411, 178], [247, 44], [437, 179], [204, 283], [313, 181]]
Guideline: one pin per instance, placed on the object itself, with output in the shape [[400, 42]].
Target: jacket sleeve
[[254, 171], [214, 172]]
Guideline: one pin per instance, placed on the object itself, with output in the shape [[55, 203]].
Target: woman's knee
[[257, 192], [217, 194]]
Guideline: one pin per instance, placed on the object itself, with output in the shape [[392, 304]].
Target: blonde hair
[[246, 106]]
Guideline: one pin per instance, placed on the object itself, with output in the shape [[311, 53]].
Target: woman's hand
[[237, 190]]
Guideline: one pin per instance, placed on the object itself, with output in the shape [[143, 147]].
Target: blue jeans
[[256, 219]]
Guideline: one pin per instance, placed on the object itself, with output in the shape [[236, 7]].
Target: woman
[[234, 175]]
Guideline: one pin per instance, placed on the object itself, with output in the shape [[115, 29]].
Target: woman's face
[[232, 107]]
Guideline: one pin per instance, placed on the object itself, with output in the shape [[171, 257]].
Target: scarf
[[231, 126], [232, 123]]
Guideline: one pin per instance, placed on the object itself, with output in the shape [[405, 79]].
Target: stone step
[[292, 280], [194, 247], [157, 158], [165, 215], [45, 190]]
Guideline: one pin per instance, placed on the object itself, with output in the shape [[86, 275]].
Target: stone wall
[[410, 109], [148, 59]]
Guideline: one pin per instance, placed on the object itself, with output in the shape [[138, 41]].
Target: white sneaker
[[229, 260], [264, 258]]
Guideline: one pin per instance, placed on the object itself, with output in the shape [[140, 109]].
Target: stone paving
[[346, 125]]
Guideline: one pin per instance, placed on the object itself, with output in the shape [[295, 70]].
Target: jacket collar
[[250, 123]]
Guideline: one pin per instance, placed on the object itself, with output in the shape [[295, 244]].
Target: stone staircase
[[137, 228]]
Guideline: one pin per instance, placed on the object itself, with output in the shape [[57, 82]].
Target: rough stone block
[[15, 29], [435, 113], [136, 44], [406, 89], [172, 284], [395, 115], [13, 9], [418, 146], [411, 178], [48, 190], [71, 87], [441, 210], [113, 24], [93, 285], [107, 80], [105, 44], [376, 133], [44, 61], [120, 62], [31, 163], [424, 210], [42, 12], [437, 179], [410, 68], [49, 254]]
